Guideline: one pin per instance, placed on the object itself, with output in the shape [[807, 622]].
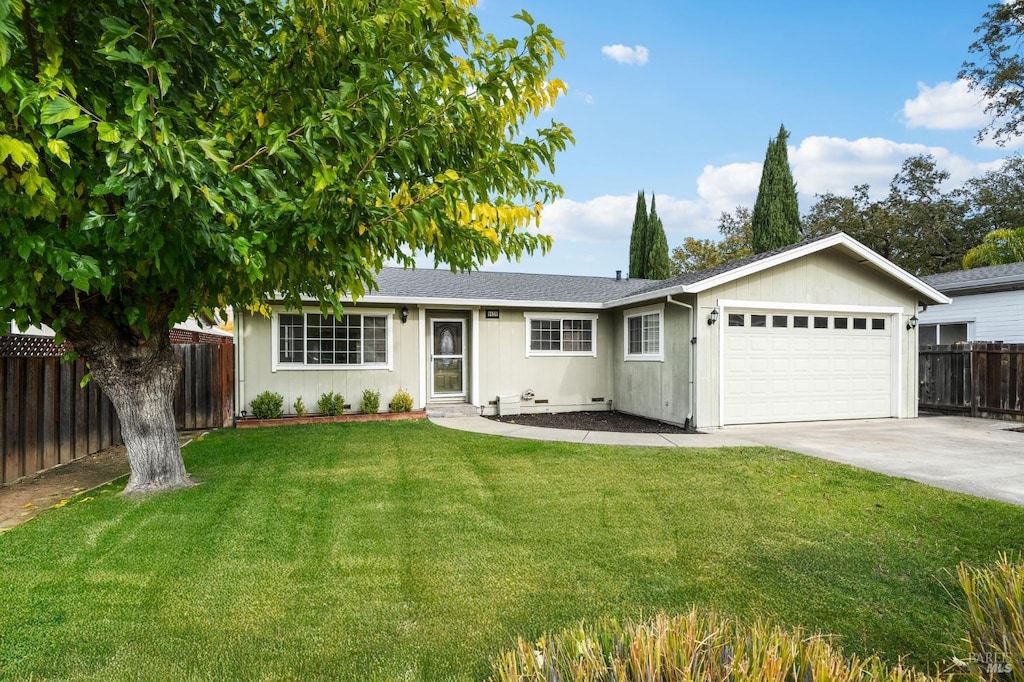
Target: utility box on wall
[[509, 405]]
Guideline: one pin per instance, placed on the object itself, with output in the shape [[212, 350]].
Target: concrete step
[[441, 410]]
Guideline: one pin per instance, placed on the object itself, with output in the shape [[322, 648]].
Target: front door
[[448, 359]]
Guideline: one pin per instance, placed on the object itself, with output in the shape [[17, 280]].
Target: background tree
[[998, 72], [776, 216], [997, 248], [657, 260], [701, 254], [162, 158], [638, 246]]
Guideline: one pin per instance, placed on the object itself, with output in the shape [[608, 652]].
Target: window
[[758, 320], [736, 319], [839, 322], [821, 323], [860, 323], [878, 323], [643, 331], [800, 321], [942, 334], [313, 339], [780, 321], [561, 335]]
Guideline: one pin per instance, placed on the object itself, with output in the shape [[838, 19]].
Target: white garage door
[[781, 366]]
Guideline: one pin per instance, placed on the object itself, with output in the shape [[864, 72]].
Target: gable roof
[[482, 287], [980, 280], [696, 282]]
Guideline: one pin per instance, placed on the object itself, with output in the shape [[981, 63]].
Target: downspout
[[693, 341]]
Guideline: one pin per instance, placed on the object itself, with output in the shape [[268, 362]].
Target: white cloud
[[946, 106], [624, 54]]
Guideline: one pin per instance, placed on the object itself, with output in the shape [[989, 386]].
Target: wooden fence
[[47, 418], [976, 379]]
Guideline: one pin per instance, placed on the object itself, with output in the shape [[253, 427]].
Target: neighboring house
[[189, 331], [988, 305], [818, 330]]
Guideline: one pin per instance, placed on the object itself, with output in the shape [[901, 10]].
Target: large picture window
[[644, 334], [316, 340], [561, 334]]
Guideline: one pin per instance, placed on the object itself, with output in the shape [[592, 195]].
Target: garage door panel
[[778, 374]]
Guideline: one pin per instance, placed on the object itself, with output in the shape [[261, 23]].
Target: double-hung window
[[561, 334], [314, 340], [644, 334]]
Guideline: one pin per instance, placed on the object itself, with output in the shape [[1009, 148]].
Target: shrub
[[268, 405], [332, 404], [370, 404], [402, 402], [299, 407], [703, 648], [995, 617]]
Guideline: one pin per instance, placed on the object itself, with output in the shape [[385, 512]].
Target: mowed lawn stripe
[[407, 551]]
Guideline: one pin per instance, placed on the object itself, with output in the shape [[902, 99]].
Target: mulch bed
[[592, 421]]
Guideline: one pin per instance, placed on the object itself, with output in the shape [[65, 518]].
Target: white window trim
[[640, 312], [561, 316], [276, 365]]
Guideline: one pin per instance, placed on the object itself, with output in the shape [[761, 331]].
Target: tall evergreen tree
[[776, 218], [657, 255], [638, 248]]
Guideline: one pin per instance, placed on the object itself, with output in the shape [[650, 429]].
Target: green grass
[[402, 550]]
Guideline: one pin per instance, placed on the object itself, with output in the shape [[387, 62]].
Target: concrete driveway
[[977, 456]]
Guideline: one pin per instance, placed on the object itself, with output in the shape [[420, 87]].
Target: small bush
[[332, 404], [370, 404], [268, 405], [402, 402], [995, 617], [299, 407], [701, 648]]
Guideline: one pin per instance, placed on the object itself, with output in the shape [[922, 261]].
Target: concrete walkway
[[980, 457]]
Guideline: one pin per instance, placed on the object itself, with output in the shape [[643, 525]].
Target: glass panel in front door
[[448, 357]]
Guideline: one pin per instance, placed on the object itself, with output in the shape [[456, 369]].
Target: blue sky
[[681, 98]]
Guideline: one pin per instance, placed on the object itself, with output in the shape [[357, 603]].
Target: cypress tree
[[657, 256], [775, 221], [638, 248]]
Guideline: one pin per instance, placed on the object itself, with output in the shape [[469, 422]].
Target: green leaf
[[108, 133], [59, 148], [60, 109], [19, 152], [78, 125]]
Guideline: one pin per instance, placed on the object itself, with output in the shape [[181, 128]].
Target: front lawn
[[405, 551]]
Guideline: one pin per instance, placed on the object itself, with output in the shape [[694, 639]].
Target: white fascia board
[[656, 296], [932, 295]]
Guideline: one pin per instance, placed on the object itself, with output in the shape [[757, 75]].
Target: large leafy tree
[[163, 158], [997, 248], [700, 254], [638, 246], [996, 70], [776, 218]]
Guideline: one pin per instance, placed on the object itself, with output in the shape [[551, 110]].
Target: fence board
[[980, 379], [47, 418]]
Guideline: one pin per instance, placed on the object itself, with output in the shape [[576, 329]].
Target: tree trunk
[[139, 375]]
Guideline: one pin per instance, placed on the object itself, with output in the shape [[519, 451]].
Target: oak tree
[[160, 159]]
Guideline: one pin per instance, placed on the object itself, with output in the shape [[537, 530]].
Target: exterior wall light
[[713, 317], [404, 314], [912, 322]]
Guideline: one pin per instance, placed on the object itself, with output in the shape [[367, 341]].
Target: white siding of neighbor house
[[996, 316], [823, 278], [256, 356], [566, 383], [656, 389]]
